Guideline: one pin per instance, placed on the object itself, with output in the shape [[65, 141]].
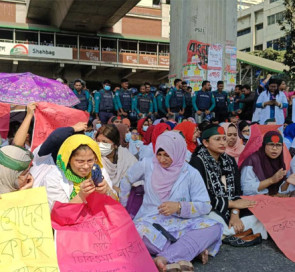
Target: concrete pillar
[[207, 21]]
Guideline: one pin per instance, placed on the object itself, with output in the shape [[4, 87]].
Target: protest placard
[[49, 116], [26, 241], [98, 236]]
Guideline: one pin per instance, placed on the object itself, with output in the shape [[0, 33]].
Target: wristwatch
[[234, 211]]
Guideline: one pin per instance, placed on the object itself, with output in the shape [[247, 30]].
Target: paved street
[[263, 257]]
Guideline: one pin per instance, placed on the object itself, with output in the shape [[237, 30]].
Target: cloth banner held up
[[277, 214], [4, 119], [49, 117], [26, 241], [98, 236]]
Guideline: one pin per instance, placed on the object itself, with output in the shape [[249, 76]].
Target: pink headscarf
[[163, 179], [238, 148]]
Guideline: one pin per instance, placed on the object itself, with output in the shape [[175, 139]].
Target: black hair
[[242, 125], [111, 132], [106, 81], [176, 81], [203, 125], [273, 81], [78, 80], [205, 82], [160, 150], [189, 88], [89, 124], [239, 86], [183, 83], [124, 80], [247, 87], [220, 82], [147, 83]]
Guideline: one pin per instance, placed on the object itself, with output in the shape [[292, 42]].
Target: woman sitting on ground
[[175, 199], [264, 172], [244, 131], [221, 175], [115, 158], [78, 166], [235, 145]]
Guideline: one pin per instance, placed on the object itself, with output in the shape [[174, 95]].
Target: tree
[[288, 26], [270, 54]]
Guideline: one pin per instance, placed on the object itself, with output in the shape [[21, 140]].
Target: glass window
[[280, 16], [269, 44], [260, 26], [272, 1], [6, 35], [258, 47], [271, 19], [244, 31]]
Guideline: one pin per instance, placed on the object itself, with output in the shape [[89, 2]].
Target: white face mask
[[246, 136], [105, 149], [145, 128]]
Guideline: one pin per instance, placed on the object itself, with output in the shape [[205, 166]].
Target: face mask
[[107, 88], [89, 133], [128, 137], [145, 128], [98, 126], [105, 149], [246, 136]]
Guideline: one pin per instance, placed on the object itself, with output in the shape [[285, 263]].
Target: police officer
[[83, 95], [221, 102], [124, 99], [160, 98], [175, 102], [104, 102], [203, 102], [187, 91], [152, 96], [143, 103]]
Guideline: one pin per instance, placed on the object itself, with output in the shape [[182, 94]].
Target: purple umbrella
[[25, 88]]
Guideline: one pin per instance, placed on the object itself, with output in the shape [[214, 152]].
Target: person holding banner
[[264, 172], [170, 220], [221, 176]]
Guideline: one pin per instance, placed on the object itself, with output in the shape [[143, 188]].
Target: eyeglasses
[[272, 145], [134, 133], [245, 130]]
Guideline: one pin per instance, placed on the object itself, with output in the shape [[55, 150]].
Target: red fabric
[[278, 216], [4, 119], [139, 126], [188, 130], [49, 117], [255, 142], [148, 135], [99, 235], [158, 130]]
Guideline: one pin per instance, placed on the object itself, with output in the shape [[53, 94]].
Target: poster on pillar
[[230, 81], [196, 83], [215, 57], [197, 52], [191, 70], [214, 76]]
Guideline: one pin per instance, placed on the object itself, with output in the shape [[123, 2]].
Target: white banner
[[214, 76], [215, 56], [38, 51]]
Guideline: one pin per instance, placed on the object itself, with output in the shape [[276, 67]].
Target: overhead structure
[[78, 15]]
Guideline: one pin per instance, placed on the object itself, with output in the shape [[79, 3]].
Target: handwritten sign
[[26, 241], [98, 236], [215, 56], [4, 119], [214, 76], [278, 217], [49, 116]]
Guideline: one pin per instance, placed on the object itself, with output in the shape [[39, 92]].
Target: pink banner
[[98, 236], [278, 217], [4, 119], [49, 117]]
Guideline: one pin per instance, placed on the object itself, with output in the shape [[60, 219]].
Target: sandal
[[186, 266], [175, 267]]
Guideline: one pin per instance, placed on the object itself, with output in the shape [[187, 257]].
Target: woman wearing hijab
[[170, 220], [78, 166], [235, 145], [221, 176], [116, 159], [244, 131], [142, 126], [14, 173], [264, 172], [148, 135], [148, 150], [115, 120]]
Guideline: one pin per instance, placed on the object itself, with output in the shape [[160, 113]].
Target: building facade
[[258, 27]]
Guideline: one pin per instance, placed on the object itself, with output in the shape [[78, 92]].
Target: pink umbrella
[[24, 88]]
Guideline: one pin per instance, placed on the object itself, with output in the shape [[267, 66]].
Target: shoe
[[232, 238], [250, 240], [186, 266]]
